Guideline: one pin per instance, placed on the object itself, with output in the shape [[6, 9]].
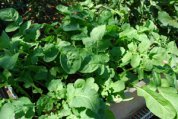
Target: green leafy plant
[[76, 67]]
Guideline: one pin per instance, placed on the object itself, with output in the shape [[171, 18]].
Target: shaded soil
[[40, 11]]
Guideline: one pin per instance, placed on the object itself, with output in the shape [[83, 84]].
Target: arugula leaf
[[135, 61], [126, 58], [70, 60], [14, 25], [24, 108], [164, 108], [9, 14], [7, 111], [4, 41], [144, 46], [83, 96], [63, 9], [93, 62], [8, 62], [50, 52], [171, 95], [166, 19], [98, 32]]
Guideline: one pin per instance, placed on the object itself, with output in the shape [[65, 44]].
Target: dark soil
[[40, 11]]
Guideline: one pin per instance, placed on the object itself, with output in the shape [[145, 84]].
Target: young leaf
[[157, 104], [71, 27], [93, 62], [117, 86], [8, 14], [4, 40], [126, 58], [55, 85], [70, 60], [172, 48], [83, 94], [144, 46], [132, 47], [8, 62], [7, 111], [171, 95], [50, 52], [63, 9], [14, 25], [147, 64], [135, 60], [166, 19], [98, 32], [24, 108]]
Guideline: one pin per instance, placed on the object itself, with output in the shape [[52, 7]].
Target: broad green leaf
[[166, 19], [56, 89], [118, 86], [8, 62], [126, 58], [135, 60], [142, 37], [4, 40], [90, 83], [144, 46], [14, 25], [163, 110], [88, 64], [7, 111], [97, 46], [147, 64], [160, 56], [171, 95], [35, 55], [70, 60], [9, 14], [117, 52], [140, 73], [71, 27], [102, 45], [83, 96], [81, 35], [150, 25], [172, 48], [33, 32], [129, 32], [157, 78], [87, 98], [80, 83], [89, 67], [50, 52], [63, 9], [44, 103], [63, 44], [24, 26], [165, 83], [98, 32], [24, 108], [132, 47], [55, 85], [92, 62]]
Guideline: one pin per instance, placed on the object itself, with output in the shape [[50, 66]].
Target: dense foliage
[[74, 68]]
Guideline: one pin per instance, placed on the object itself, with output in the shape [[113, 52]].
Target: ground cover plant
[[76, 67]]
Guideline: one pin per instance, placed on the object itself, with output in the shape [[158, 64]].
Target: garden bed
[[92, 57]]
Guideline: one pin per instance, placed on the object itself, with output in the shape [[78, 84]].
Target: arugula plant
[[75, 68]]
